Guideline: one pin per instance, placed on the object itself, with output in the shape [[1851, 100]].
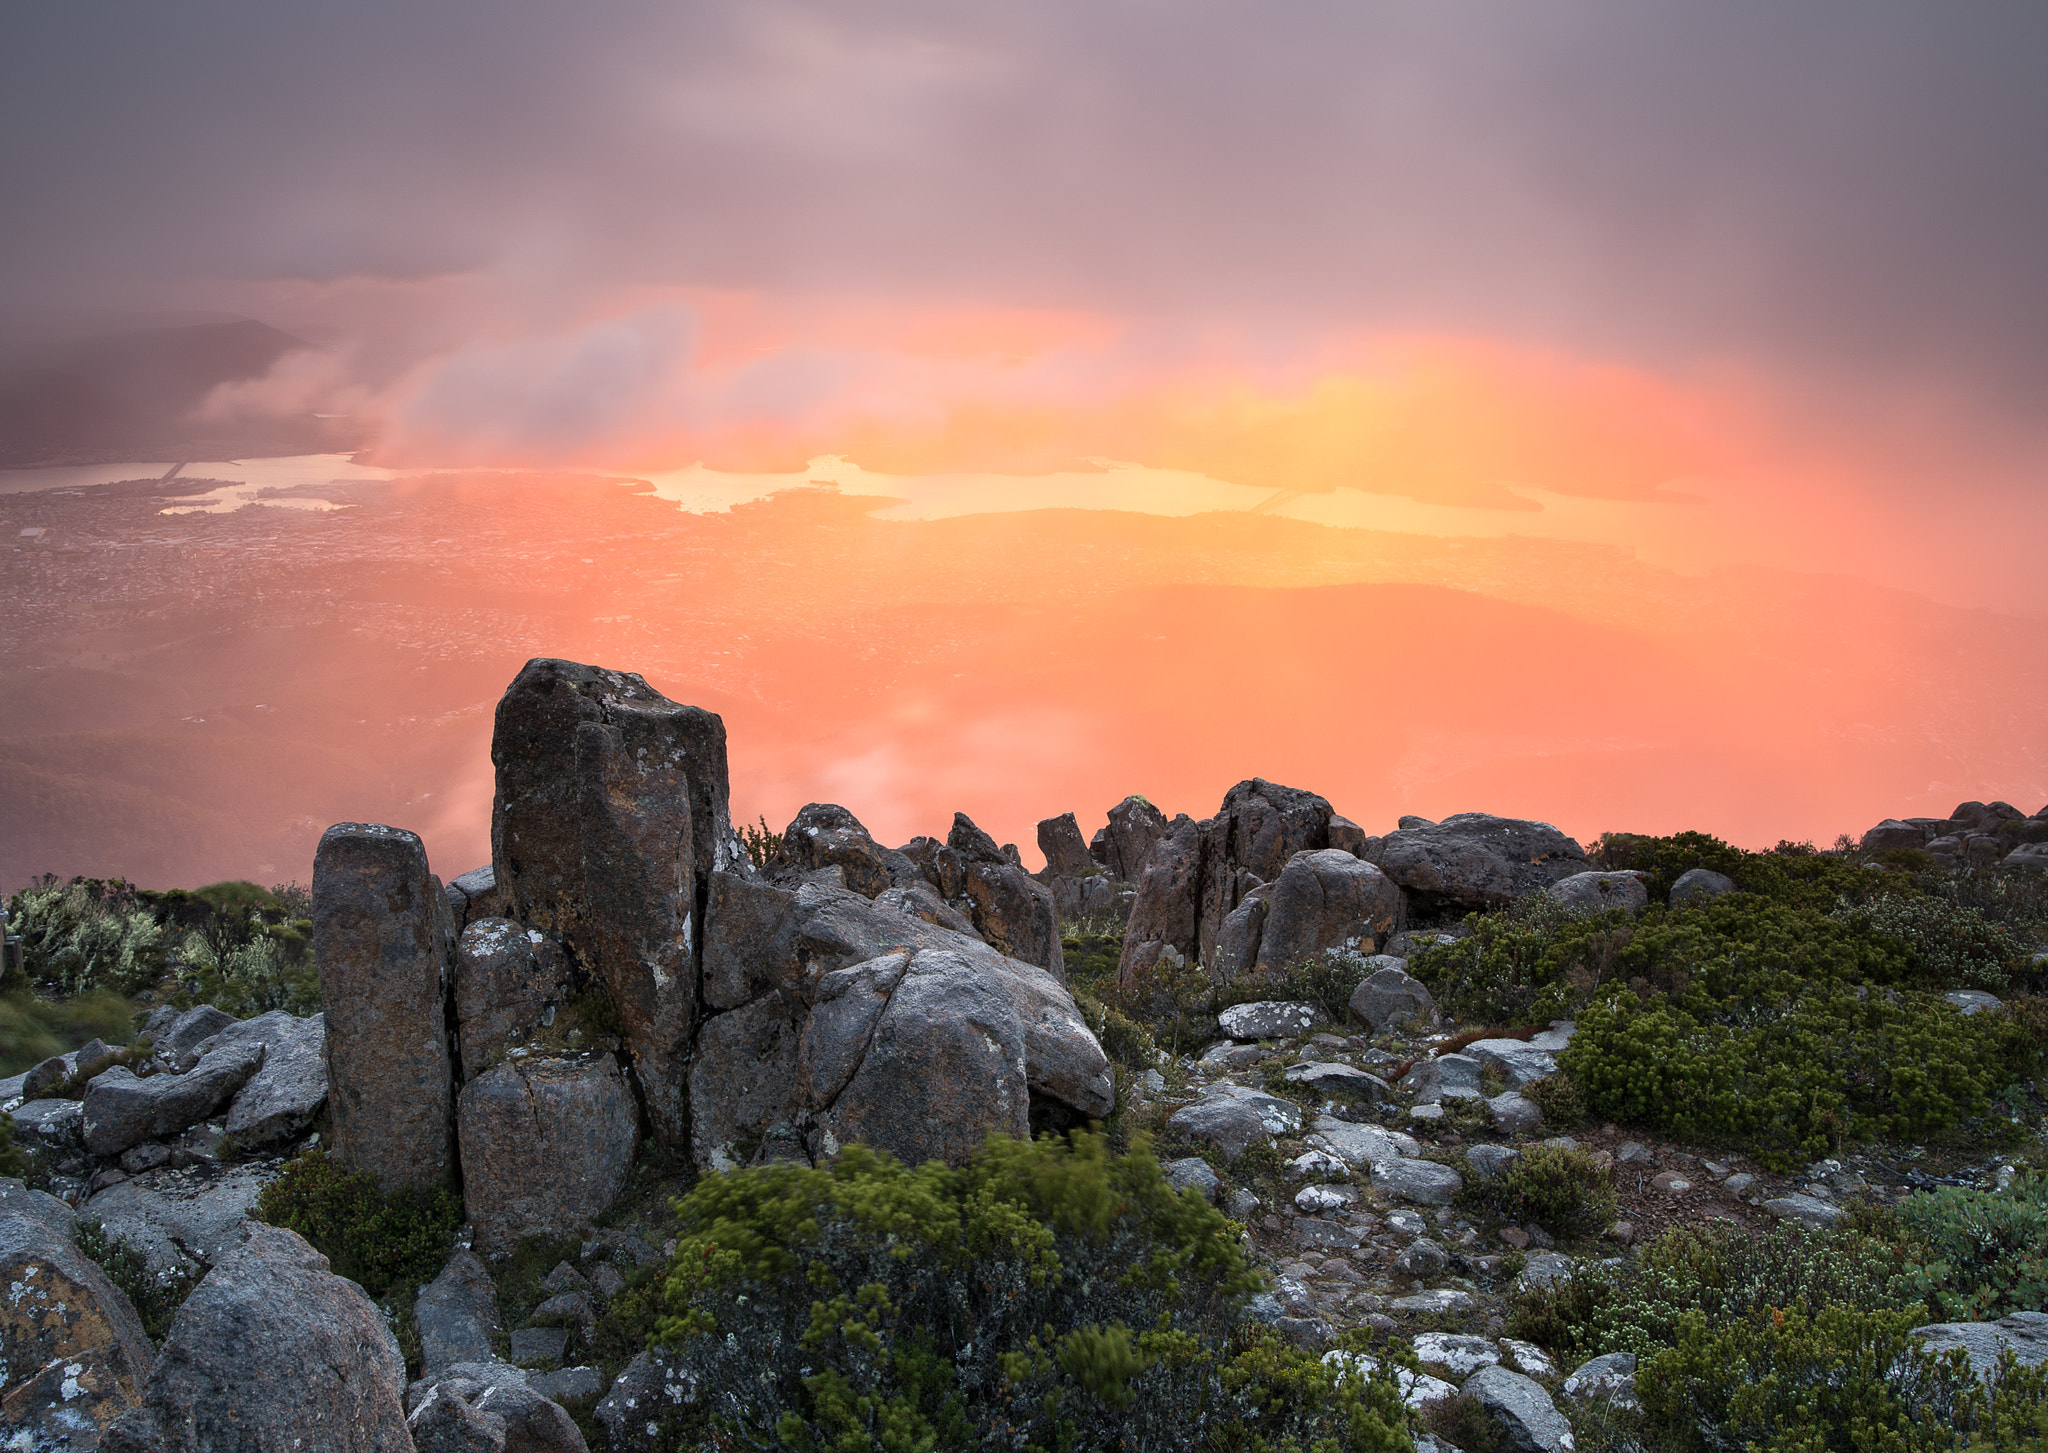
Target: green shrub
[[1563, 1191], [1327, 980], [1955, 946], [376, 1238], [1123, 1039], [1558, 1097], [1981, 1254], [87, 934], [156, 1297], [1842, 1378], [13, 1161], [1728, 1276], [1049, 1295], [269, 970]]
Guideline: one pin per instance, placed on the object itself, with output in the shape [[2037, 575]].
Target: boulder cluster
[[1976, 834]]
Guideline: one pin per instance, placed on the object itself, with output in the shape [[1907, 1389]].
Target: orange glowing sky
[[1625, 419]]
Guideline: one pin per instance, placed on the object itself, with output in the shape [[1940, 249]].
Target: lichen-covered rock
[[473, 896], [1390, 996], [183, 1220], [744, 1079], [281, 1099], [1476, 860], [382, 937], [546, 1144], [121, 1109], [444, 1423], [1422, 1181], [1326, 899], [508, 981], [1011, 910], [1601, 892], [609, 819], [272, 1352], [1260, 826], [653, 1390], [1166, 915], [1124, 847], [177, 1043], [57, 1125], [1269, 1019], [58, 1310]]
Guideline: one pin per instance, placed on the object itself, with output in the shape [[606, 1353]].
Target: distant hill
[[131, 395]]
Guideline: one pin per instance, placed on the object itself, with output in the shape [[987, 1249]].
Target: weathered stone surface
[[1318, 1200], [1522, 1062], [1326, 899], [68, 1404], [1477, 860], [44, 1076], [1544, 1269], [1808, 1210], [57, 1125], [1514, 1113], [272, 1352], [1066, 855], [58, 1308], [281, 1098], [921, 900], [1227, 1124], [444, 1423], [1461, 1356], [1700, 885], [1489, 1161], [1529, 1421], [38, 1206], [610, 817], [2024, 1334], [1612, 1377], [538, 1346], [1446, 1077], [955, 1051], [474, 896], [508, 981], [1348, 836], [1422, 1181], [1124, 847], [1011, 910], [568, 1384], [653, 1390], [457, 1313], [120, 1109], [1601, 892], [1192, 1173], [183, 1220], [546, 1144], [751, 940], [1974, 1001], [745, 1079], [1390, 996], [1260, 826], [1269, 1019], [1357, 1145], [1237, 942], [1339, 1082], [178, 1045], [825, 834], [382, 937], [2027, 855], [1893, 833], [533, 1423], [1166, 913]]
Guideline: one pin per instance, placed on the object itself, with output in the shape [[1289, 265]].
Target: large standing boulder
[[122, 1109], [280, 1099], [546, 1144], [1124, 847], [826, 835], [62, 1320], [1327, 899], [272, 1352], [610, 817], [744, 1088], [1476, 860], [1066, 855], [1260, 826], [1011, 910], [1166, 916], [508, 980], [382, 936]]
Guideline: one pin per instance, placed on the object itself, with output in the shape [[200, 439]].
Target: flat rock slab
[[1232, 1119], [1441, 1301], [1458, 1355], [1269, 1019], [121, 1109], [1518, 1405], [1389, 995], [50, 1124], [1339, 1082], [1357, 1145], [1422, 1181], [1807, 1210], [1521, 1062], [183, 1221], [1327, 1235]]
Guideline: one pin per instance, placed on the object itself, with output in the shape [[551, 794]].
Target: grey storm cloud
[[1845, 186]]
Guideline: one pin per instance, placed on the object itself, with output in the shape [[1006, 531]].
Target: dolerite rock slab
[[1893, 833], [653, 1391], [1327, 899], [56, 1307], [955, 1050], [1193, 1173], [272, 1352], [1232, 1119], [38, 1206], [474, 896], [382, 936], [1974, 1001], [1807, 1210], [825, 835], [1125, 845], [444, 1423], [508, 980], [1601, 892], [70, 1401], [1389, 996], [533, 1423], [1339, 1082], [752, 941], [1477, 860], [57, 1125], [1011, 910], [1357, 1145], [1260, 826], [457, 1313], [1066, 855], [1612, 1377], [2024, 1334], [120, 1109], [744, 1082], [609, 819], [1528, 1420], [1422, 1181], [1166, 914], [280, 1099], [1520, 1061], [178, 1044], [546, 1144], [1446, 1077], [1698, 886], [1460, 1356], [1269, 1019], [183, 1220]]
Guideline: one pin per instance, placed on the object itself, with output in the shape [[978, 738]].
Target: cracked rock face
[[59, 1312], [1477, 860], [546, 1143]]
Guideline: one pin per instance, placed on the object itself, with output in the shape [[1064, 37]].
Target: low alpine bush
[[374, 1237], [1563, 1191]]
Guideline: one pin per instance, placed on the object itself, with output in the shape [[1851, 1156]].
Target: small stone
[[1423, 1259], [1671, 1183], [1191, 1172], [1312, 1231], [1514, 1113], [1444, 1301], [1515, 1236], [1808, 1210], [1739, 1184], [1526, 1358], [1544, 1268], [1633, 1153], [1421, 1181], [1612, 1377], [606, 1281], [1623, 1232], [1425, 1113], [1488, 1161], [1715, 1168], [1317, 1200]]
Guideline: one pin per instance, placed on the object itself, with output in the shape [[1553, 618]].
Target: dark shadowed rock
[[1259, 827], [824, 835], [475, 896], [1699, 886], [1347, 836], [38, 1206], [533, 1424], [444, 1423], [921, 900], [1601, 892], [45, 1076], [457, 1313], [1066, 855], [1390, 995], [57, 1308], [744, 1081], [654, 1390], [280, 1099], [1477, 860], [121, 1109], [610, 817], [546, 1145], [179, 1044], [272, 1352], [1124, 847], [1166, 913], [751, 940], [1011, 909], [1237, 945], [508, 980], [939, 864], [57, 1125], [1324, 900], [1893, 833], [69, 1403], [382, 938]]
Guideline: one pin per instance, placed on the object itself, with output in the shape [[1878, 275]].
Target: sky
[[1726, 286]]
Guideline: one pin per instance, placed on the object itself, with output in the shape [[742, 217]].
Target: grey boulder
[[1520, 1062], [1326, 899], [1339, 1082], [546, 1145], [1446, 1077], [457, 1314], [1477, 860], [183, 1220], [1390, 996], [1269, 1019], [121, 1109], [2024, 1334], [1612, 1377], [652, 1392], [1698, 886], [1807, 1210], [1601, 892], [282, 1098], [1528, 1420], [1232, 1119], [1422, 1181], [178, 1044], [508, 981]]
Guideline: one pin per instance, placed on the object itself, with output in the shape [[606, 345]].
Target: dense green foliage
[[13, 1161], [156, 1298], [1048, 1296], [1563, 1191], [376, 1238], [87, 935], [1979, 1255]]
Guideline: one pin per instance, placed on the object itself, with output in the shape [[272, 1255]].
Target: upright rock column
[[382, 936]]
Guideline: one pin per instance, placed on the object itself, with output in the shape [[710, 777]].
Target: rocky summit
[[1436, 1090]]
